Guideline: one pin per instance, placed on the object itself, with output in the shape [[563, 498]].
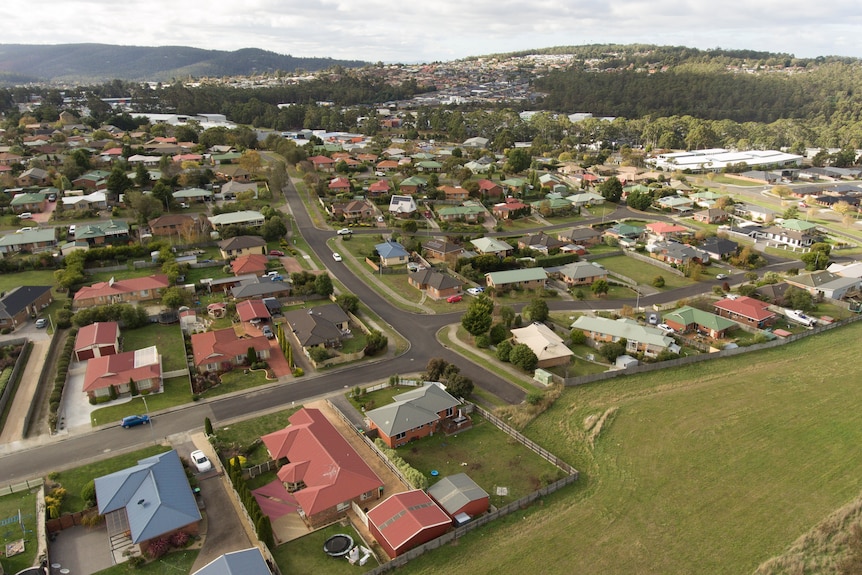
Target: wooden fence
[[25, 485], [20, 362]]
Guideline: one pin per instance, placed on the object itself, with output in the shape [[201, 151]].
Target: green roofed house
[[460, 213], [553, 205], [488, 246], [246, 218], [29, 202], [412, 185], [639, 338], [626, 231], [33, 241], [227, 158], [689, 319], [791, 224], [528, 278], [97, 234], [429, 166]]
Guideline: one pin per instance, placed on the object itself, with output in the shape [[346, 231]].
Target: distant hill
[[96, 63]]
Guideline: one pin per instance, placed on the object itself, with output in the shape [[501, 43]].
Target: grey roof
[[456, 491], [435, 279], [19, 298], [581, 270], [316, 325], [259, 288], [412, 408], [155, 494], [241, 243], [623, 328], [245, 562]]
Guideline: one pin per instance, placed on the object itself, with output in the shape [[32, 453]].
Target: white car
[[344, 232], [202, 463], [722, 276], [336, 256], [25, 216], [665, 328], [475, 290]]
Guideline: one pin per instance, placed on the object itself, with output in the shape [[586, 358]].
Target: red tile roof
[[222, 345], [120, 368], [99, 333], [665, 228], [322, 459], [118, 287], [379, 186], [320, 160], [339, 184], [746, 307], [404, 515], [251, 309], [249, 264]]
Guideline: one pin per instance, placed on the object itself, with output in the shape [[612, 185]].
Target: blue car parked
[[133, 420]]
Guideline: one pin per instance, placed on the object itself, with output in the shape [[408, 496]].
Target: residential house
[[231, 172], [133, 290], [224, 285], [22, 303], [472, 213], [176, 225], [443, 250], [679, 204], [639, 338], [252, 311], [511, 209], [581, 273], [551, 206], [378, 188], [434, 283], [585, 199], [150, 500], [244, 218], [33, 177], [241, 246], [492, 246], [540, 242], [32, 202], [33, 241], [711, 216], [141, 368], [476, 142], [92, 180], [244, 562], [257, 288], [542, 341], [429, 166], [323, 326], [415, 414], [412, 185], [402, 206], [352, 211], [97, 340], [783, 236], [391, 253], [339, 185], [527, 278], [76, 200], [754, 213], [719, 248], [459, 495], [490, 189], [823, 283], [582, 236], [254, 264], [746, 310], [666, 231], [622, 231], [113, 231], [222, 349], [406, 520], [773, 293], [190, 195], [387, 166], [689, 319], [230, 190], [675, 253], [454, 193], [320, 470]]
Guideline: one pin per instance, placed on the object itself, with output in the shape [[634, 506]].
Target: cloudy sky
[[416, 31]]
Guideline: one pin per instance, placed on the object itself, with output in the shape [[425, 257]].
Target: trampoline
[[338, 545]]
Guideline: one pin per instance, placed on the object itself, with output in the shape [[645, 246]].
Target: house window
[[400, 435], [450, 411], [145, 293], [366, 495], [343, 506]]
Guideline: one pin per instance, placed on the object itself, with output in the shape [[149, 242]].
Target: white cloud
[[375, 30]]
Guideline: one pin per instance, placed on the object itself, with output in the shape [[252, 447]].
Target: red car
[[453, 298], [276, 253]]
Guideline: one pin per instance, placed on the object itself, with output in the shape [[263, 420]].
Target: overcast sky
[[427, 31]]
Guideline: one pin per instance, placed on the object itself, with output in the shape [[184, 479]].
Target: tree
[[504, 350], [537, 310], [507, 315], [658, 281], [118, 182], [478, 317], [611, 190], [409, 227], [144, 206], [273, 229], [600, 287], [348, 302], [638, 200], [375, 342], [250, 161], [174, 297], [250, 355], [797, 298], [522, 356], [459, 386], [578, 337], [611, 351], [818, 257], [518, 160], [142, 175], [435, 368], [323, 285], [498, 333]]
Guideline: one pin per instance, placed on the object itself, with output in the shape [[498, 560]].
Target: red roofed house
[[490, 189], [406, 520], [249, 264], [387, 165], [223, 349], [510, 209], [340, 184], [454, 193], [121, 291], [142, 368], [664, 230], [252, 309], [378, 188], [745, 310], [320, 468], [322, 163], [97, 340]]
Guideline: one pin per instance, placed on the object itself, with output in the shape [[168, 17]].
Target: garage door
[[85, 354], [106, 350]]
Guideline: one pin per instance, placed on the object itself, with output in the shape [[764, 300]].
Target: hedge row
[[60, 378], [416, 478]]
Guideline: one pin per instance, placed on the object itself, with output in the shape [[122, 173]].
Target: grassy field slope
[[712, 468]]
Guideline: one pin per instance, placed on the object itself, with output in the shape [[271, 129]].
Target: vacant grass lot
[[167, 338], [644, 273], [25, 501], [711, 468]]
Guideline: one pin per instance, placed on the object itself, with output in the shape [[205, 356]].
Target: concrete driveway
[[81, 550]]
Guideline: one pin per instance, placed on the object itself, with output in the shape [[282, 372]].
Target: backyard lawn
[[10, 529], [644, 273], [167, 338], [305, 556], [708, 468], [9, 281]]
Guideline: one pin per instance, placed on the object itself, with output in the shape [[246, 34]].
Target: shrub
[[578, 337], [158, 547], [136, 561], [658, 282], [88, 494], [483, 341], [534, 397], [180, 539]]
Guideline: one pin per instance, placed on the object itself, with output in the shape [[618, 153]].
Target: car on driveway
[[454, 298], [344, 232], [202, 463], [267, 331], [336, 256], [278, 253], [133, 420], [475, 290], [665, 328], [41, 322], [722, 276], [25, 216]]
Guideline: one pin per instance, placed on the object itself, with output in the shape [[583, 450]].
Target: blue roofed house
[[392, 253], [150, 500], [244, 562]]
